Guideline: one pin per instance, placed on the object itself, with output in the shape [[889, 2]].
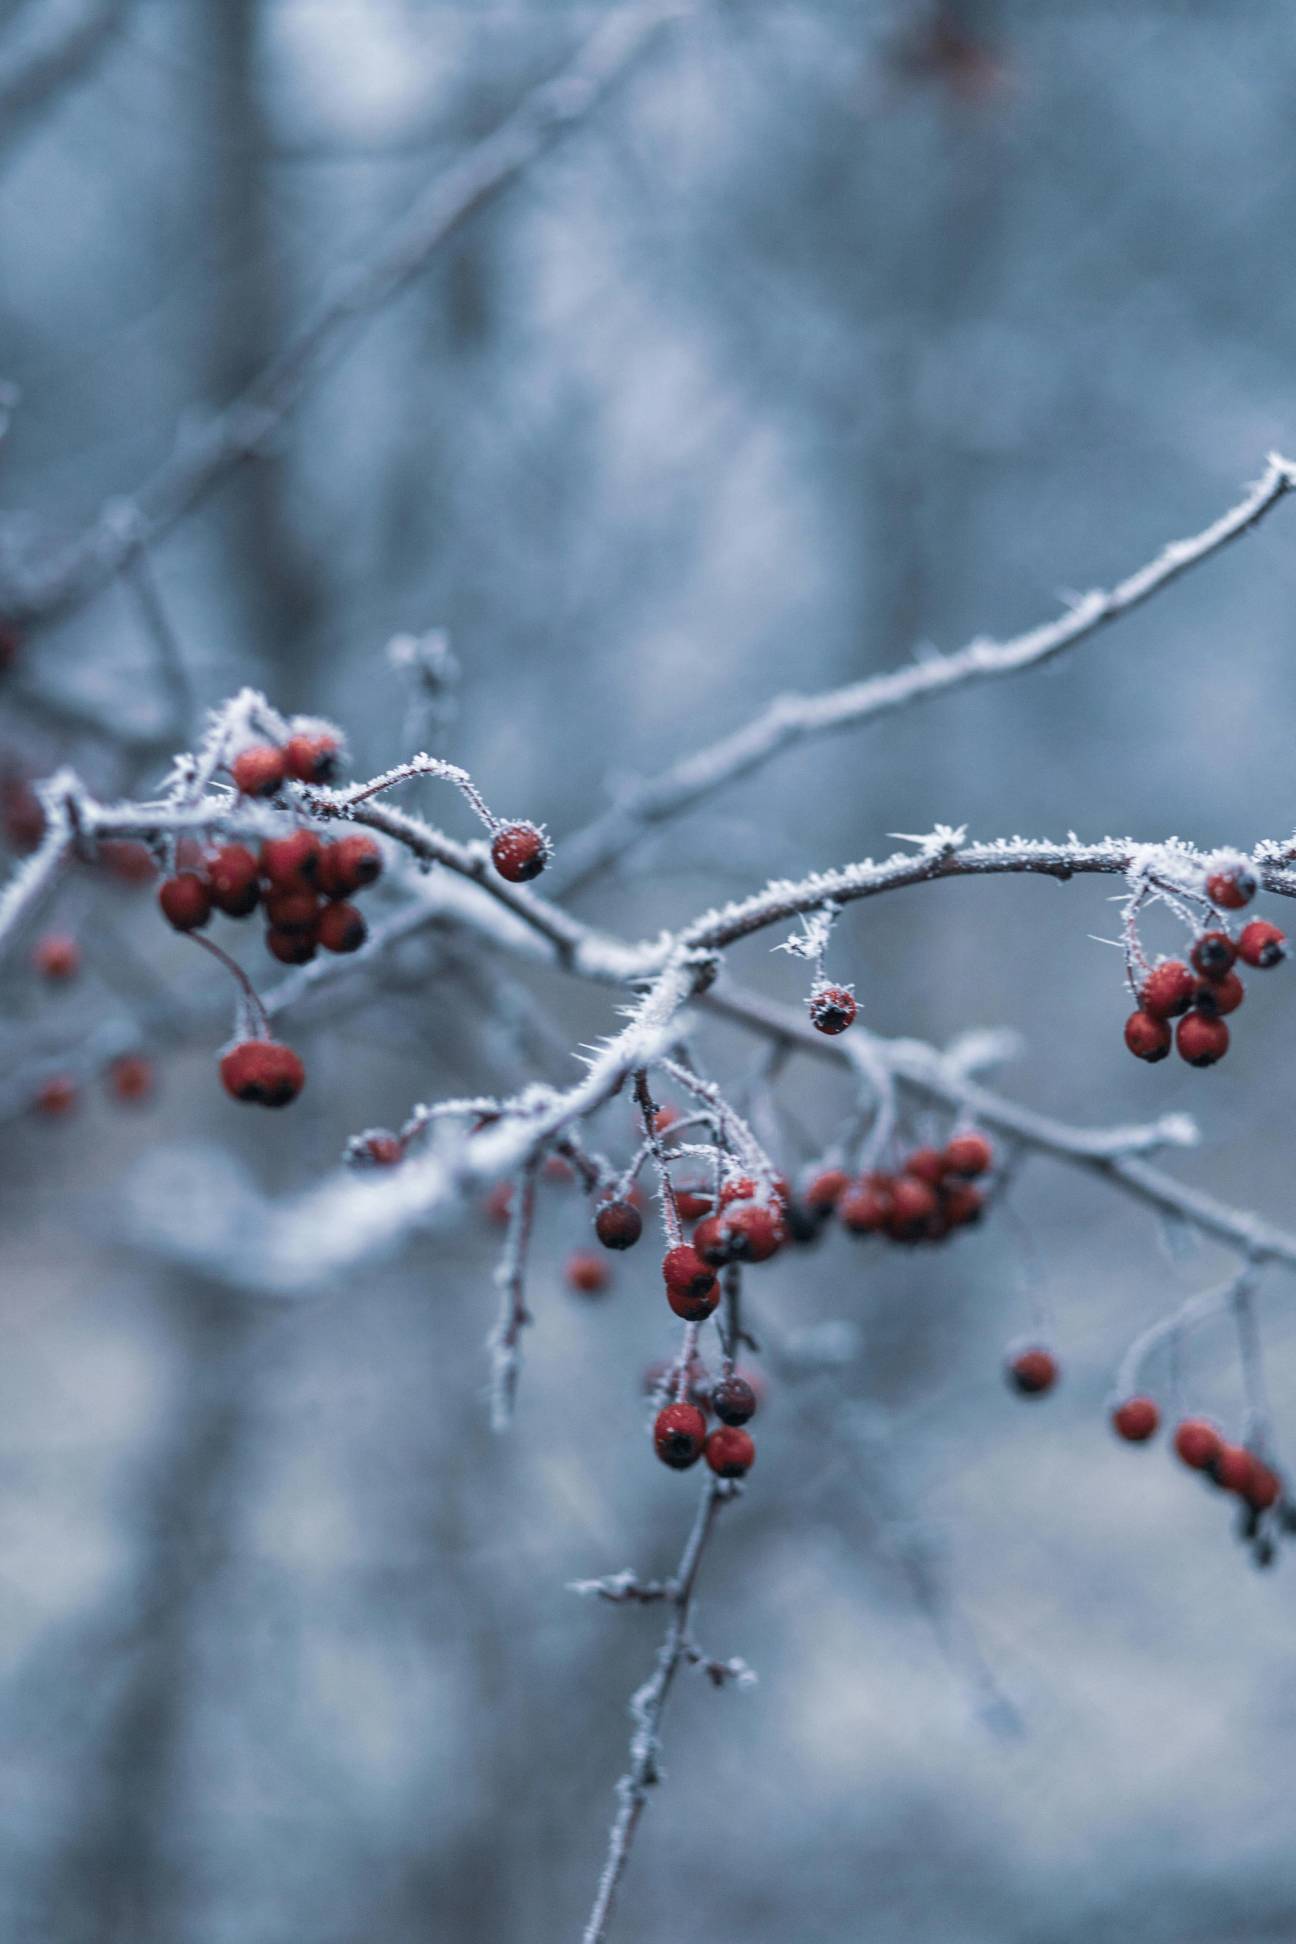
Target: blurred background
[[838, 331]]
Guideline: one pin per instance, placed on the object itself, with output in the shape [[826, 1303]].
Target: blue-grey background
[[838, 331]]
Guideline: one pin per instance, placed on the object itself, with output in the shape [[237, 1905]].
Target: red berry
[[618, 1225], [232, 877], [587, 1272], [378, 1149], [130, 1077], [1232, 887], [733, 1400], [913, 1204], [1215, 997], [968, 1154], [341, 928], [1197, 1442], [1264, 1487], [295, 947], [1136, 1420], [1213, 954], [866, 1207], [519, 852], [693, 1203], [679, 1435], [348, 865], [756, 1232], [1201, 1041], [259, 771], [498, 1203], [292, 910], [691, 1289], [1262, 944], [961, 1203], [730, 1452], [262, 1072], [929, 1164], [1032, 1372], [826, 1190], [832, 1008], [1147, 1038], [291, 863], [312, 759], [714, 1240], [22, 816], [1231, 1469], [56, 1096], [57, 956], [127, 861], [185, 901], [1168, 989], [739, 1188]]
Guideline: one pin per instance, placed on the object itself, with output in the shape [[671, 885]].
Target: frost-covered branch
[[792, 719]]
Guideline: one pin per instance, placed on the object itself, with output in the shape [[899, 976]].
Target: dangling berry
[[1262, 944], [263, 1072], [968, 1155], [347, 866], [1201, 1040], [714, 1240], [1136, 1420], [1168, 989], [127, 861], [618, 1225], [56, 1096], [693, 1203], [826, 1190], [312, 759], [232, 877], [1232, 887], [341, 928], [1147, 1038], [865, 1208], [1215, 997], [1032, 1372], [1231, 1469], [832, 1008], [294, 946], [292, 910], [1263, 1488], [730, 1452], [291, 863], [185, 901], [928, 1164], [913, 1204], [733, 1400], [1197, 1443], [691, 1289], [961, 1203], [519, 852], [756, 1232], [587, 1273], [679, 1435], [259, 771], [57, 957], [1213, 954]]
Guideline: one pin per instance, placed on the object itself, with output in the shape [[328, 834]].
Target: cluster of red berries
[[681, 1435], [303, 884], [1232, 1468], [931, 1194], [1199, 994]]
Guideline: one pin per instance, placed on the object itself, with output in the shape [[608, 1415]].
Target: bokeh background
[[839, 331]]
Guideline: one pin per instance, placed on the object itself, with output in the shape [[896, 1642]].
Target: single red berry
[[1168, 989], [291, 947], [1231, 1468], [1262, 944], [961, 1203], [498, 1203], [377, 1148], [232, 877], [259, 771], [1147, 1038], [865, 1208], [693, 1203], [57, 956], [739, 1188], [929, 1164], [968, 1154], [1197, 1442], [756, 1232], [714, 1240], [826, 1190], [263, 1072], [1263, 1488], [1032, 1372], [519, 852], [691, 1289], [832, 1009], [913, 1203], [618, 1225], [131, 1077], [1213, 954], [128, 861], [347, 866], [555, 1168], [291, 863], [185, 901], [1232, 887], [663, 1120], [730, 1452], [1215, 997], [587, 1272], [312, 759], [679, 1435], [1201, 1040], [341, 928], [56, 1096], [1136, 1420], [292, 910], [733, 1400]]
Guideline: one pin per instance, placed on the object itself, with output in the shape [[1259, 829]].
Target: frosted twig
[[510, 1279]]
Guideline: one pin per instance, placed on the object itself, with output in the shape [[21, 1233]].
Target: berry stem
[[260, 1017]]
